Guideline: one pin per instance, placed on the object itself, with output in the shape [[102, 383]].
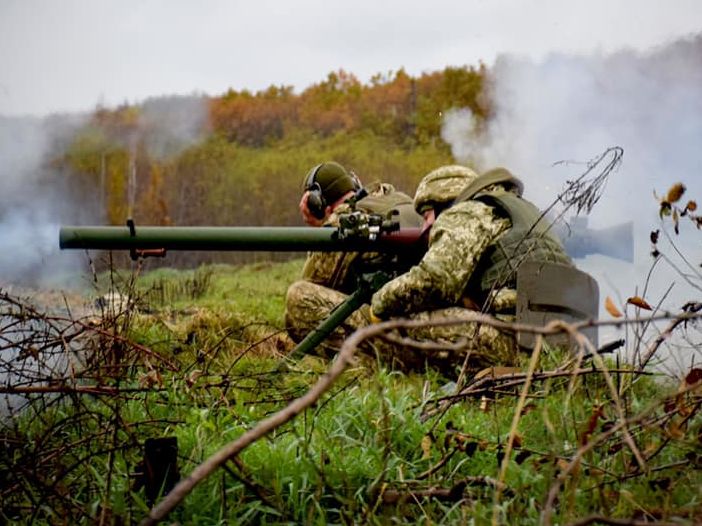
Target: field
[[109, 406]]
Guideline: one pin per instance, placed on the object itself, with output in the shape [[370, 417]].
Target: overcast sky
[[70, 55]]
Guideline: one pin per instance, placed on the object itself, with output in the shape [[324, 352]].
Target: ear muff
[[316, 204]]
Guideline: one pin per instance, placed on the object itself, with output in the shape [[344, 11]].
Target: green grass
[[365, 438], [256, 290]]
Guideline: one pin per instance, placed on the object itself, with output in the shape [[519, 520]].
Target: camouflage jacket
[[336, 269], [457, 241]]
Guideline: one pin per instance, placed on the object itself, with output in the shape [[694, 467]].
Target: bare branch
[[601, 519]]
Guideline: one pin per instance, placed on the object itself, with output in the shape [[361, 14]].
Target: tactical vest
[[528, 239], [383, 204]]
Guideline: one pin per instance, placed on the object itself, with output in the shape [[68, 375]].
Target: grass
[[365, 453], [256, 290]]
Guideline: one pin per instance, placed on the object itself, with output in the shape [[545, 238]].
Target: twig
[[488, 385], [585, 343], [454, 493], [76, 389], [601, 519], [566, 472], [694, 308], [436, 467], [186, 485], [536, 354], [121, 339], [255, 488]]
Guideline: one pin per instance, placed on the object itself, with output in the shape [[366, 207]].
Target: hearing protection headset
[[316, 202]]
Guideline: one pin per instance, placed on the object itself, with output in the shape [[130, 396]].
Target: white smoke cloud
[[28, 241], [572, 108], [171, 124], [36, 197], [30, 203]]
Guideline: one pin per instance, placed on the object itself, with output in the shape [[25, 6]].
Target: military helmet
[[442, 186], [327, 183]]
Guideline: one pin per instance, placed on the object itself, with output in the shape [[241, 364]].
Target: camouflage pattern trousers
[[307, 304]]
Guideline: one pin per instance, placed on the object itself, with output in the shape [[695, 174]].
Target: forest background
[[239, 158]]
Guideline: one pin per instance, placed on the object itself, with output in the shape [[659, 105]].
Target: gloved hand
[[373, 317]]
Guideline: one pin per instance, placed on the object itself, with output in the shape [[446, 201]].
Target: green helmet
[[442, 185], [326, 183]]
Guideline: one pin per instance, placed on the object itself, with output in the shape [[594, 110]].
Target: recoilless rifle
[[398, 250]]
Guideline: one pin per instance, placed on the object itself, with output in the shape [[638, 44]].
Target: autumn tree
[[388, 106], [254, 119], [452, 88], [331, 105]]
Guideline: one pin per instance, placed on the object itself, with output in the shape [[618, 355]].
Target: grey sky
[[69, 55]]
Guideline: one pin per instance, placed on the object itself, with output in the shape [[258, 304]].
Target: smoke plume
[[32, 200], [37, 196], [171, 124], [552, 117]]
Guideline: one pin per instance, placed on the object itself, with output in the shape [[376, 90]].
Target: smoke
[[171, 124], [32, 200], [572, 108], [38, 196]]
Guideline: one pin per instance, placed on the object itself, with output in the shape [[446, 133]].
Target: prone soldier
[[329, 190], [481, 231]]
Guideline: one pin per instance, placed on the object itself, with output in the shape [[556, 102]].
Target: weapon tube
[[354, 235], [242, 238]]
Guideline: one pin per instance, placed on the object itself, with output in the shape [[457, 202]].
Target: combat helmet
[[326, 183], [442, 186]]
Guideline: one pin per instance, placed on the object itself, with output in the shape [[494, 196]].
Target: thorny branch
[[547, 512], [601, 519], [343, 359], [54, 363], [584, 192], [55, 336], [455, 493]]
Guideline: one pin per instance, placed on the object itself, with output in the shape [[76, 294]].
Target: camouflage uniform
[[336, 269], [328, 277], [434, 289], [314, 303], [447, 280]]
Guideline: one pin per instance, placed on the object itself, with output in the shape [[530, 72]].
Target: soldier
[[481, 231], [327, 278]]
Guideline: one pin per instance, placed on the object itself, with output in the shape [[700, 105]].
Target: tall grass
[[373, 450]]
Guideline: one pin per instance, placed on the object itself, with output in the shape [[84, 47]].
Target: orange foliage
[[253, 120], [385, 129], [388, 104], [395, 105], [331, 105]]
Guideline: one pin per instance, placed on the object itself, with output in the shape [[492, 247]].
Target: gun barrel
[[241, 238]]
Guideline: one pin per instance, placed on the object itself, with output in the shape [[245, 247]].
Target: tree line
[[239, 158]]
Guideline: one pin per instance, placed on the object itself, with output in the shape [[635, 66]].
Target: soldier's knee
[[296, 291]]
